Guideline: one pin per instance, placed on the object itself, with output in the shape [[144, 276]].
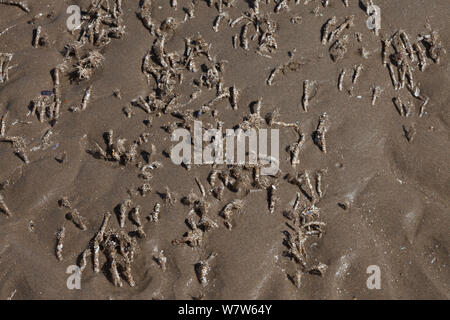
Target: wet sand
[[384, 199]]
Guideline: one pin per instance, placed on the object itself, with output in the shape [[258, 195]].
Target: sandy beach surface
[[86, 179]]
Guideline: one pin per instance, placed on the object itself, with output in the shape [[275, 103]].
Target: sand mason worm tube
[[234, 97], [86, 98], [348, 23], [421, 55], [357, 73], [135, 215], [320, 133], [110, 251], [83, 259], [407, 44], [319, 177], [77, 219], [341, 80], [161, 260], [18, 4], [422, 107], [394, 80], [201, 187], [127, 273], [203, 268], [3, 125], [154, 215], [60, 235], [326, 29], [218, 19], [227, 212], [3, 207], [98, 239], [5, 60], [271, 197], [37, 36], [243, 36], [123, 209], [309, 87], [376, 92]]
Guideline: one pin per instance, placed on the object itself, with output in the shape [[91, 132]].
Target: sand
[[383, 201]]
